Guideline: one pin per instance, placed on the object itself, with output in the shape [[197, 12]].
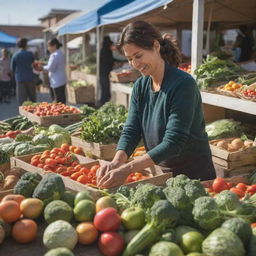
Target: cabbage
[[54, 128], [41, 139], [59, 139]]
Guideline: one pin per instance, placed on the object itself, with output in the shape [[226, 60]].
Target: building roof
[[54, 12]]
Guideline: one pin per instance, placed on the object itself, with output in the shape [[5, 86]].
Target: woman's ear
[[156, 45]]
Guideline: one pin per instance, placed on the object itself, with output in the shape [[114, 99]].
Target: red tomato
[[219, 184], [75, 175], [251, 189], [111, 244], [230, 185], [95, 167], [107, 220], [83, 179], [65, 147], [241, 186], [84, 170], [240, 193]]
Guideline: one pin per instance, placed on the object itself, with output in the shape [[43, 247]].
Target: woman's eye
[[138, 56]]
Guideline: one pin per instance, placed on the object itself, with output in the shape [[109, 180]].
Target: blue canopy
[[91, 19], [7, 40], [112, 12]]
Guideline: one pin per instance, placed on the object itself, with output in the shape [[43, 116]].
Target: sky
[[27, 12]]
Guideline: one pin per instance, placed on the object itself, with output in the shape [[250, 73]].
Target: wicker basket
[[241, 95]]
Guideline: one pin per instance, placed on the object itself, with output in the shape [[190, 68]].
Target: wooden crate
[[81, 95], [124, 77], [64, 119], [156, 175], [79, 75], [233, 160], [95, 150]]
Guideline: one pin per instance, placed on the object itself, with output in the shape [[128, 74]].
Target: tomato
[[53, 155], [72, 148], [240, 193], [75, 175], [47, 152], [251, 189], [35, 162], [51, 162], [85, 170], [230, 185], [77, 167], [47, 167], [107, 220], [36, 157], [71, 169], [241, 186], [78, 151], [111, 244], [219, 184], [65, 147], [87, 233], [61, 169], [66, 173], [40, 165], [94, 168], [83, 179], [253, 225], [74, 163]]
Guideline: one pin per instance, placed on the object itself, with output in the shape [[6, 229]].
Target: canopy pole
[[207, 47], [98, 48], [197, 34], [84, 47]]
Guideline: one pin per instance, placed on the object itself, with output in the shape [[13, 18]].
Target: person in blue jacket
[[21, 66], [165, 111]]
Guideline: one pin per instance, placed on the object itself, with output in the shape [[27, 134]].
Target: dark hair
[[22, 43], [106, 42], [144, 35], [55, 42]]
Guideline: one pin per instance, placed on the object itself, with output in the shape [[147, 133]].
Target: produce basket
[[81, 94], [64, 119], [235, 163], [4, 167], [95, 150], [222, 91], [241, 93]]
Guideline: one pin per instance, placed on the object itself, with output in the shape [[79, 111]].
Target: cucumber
[[12, 119]]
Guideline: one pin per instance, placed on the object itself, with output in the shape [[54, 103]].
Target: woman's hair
[[144, 35], [55, 42], [22, 43]]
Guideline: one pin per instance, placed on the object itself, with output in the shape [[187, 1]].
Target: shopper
[[5, 77], [57, 70], [21, 65], [165, 110], [106, 65]]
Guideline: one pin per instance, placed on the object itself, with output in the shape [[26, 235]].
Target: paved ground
[[11, 109]]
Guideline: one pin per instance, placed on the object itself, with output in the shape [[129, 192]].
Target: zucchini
[[12, 119], [147, 236]]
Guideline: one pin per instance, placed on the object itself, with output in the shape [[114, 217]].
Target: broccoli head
[[126, 191], [163, 215], [206, 213], [227, 200], [146, 195], [194, 189], [50, 188], [178, 181]]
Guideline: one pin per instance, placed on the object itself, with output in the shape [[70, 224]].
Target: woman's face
[[145, 61], [51, 48]]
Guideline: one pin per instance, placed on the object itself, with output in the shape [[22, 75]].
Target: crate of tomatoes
[[46, 114], [79, 172]]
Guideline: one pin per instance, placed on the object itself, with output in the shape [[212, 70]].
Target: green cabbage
[[59, 139], [41, 139]]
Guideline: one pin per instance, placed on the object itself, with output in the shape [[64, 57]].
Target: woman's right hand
[[105, 168]]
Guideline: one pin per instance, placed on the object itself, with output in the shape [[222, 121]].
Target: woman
[[57, 70], [165, 110], [106, 65]]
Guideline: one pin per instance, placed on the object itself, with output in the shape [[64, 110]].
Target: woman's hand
[[104, 169], [114, 178]]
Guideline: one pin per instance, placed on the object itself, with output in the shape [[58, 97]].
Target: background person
[[21, 66], [57, 70], [5, 77], [165, 110]]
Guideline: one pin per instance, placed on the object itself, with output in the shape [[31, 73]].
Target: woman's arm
[[52, 63]]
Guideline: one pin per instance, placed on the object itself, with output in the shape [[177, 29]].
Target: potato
[[10, 181], [248, 143], [237, 143], [222, 144], [231, 148]]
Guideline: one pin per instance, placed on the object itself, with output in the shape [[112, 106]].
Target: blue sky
[[28, 11]]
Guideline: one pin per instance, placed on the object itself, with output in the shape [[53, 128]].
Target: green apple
[[133, 218]]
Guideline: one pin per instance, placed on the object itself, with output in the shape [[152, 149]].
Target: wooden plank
[[95, 150], [197, 34], [80, 95], [213, 113], [241, 105]]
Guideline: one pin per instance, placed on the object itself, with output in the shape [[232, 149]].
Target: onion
[[248, 143], [237, 143], [222, 144]]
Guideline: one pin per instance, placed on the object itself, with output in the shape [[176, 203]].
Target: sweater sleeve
[[179, 122], [52, 63], [131, 133]]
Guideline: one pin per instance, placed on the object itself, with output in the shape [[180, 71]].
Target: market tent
[[121, 10], [7, 40]]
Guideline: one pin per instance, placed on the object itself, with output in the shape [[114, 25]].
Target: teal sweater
[[170, 121]]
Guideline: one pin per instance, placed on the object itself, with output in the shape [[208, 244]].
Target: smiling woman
[[166, 111]]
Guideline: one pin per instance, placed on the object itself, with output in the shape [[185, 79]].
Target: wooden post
[[98, 48], [84, 47], [197, 33], [208, 35]]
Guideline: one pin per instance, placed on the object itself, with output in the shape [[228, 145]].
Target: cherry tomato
[[240, 193]]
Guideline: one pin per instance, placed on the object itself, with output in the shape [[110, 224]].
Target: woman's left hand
[[114, 178]]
